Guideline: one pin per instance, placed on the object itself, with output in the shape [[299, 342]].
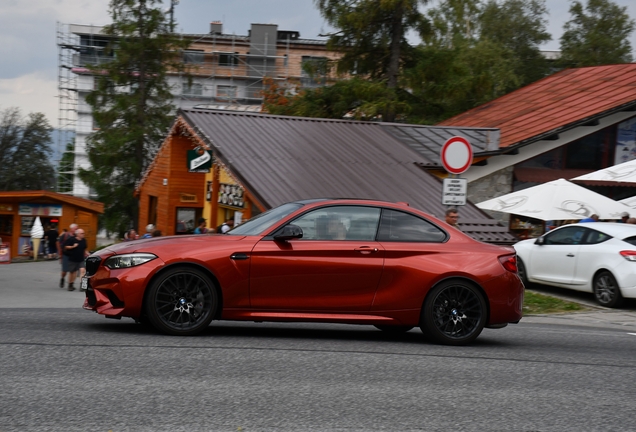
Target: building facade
[[227, 72]]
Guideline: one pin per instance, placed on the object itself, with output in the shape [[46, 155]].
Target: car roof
[[614, 229]]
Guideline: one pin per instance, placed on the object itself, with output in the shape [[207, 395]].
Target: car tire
[[606, 290], [523, 273], [395, 329], [454, 313], [181, 302]]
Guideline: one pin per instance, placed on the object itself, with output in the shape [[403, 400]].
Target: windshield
[[258, 224]]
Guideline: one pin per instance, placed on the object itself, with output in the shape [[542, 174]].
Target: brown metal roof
[[281, 159], [48, 196]]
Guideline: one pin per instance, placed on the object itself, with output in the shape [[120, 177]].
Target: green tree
[[132, 105], [596, 34], [354, 98], [520, 27], [371, 34], [25, 147]]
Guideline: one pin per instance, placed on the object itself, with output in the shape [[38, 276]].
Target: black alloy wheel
[[181, 302], [454, 313], [395, 329], [606, 290]]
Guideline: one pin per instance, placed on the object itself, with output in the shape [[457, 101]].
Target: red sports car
[[339, 261]]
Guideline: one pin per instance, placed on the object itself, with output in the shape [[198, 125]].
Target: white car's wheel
[[606, 290]]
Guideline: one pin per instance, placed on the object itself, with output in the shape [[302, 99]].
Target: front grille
[[92, 264]]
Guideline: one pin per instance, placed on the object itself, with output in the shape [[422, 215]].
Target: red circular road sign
[[457, 155]]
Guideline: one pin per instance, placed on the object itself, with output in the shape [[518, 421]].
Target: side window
[[397, 226], [572, 235], [595, 237], [340, 223]]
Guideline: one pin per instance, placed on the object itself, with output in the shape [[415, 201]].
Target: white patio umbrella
[[556, 200], [629, 202], [614, 175]]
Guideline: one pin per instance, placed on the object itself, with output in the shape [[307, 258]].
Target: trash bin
[[5, 253]]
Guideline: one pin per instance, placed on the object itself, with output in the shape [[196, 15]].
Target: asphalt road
[[66, 369]]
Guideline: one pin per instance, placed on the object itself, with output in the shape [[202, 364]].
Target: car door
[[335, 267], [554, 261], [592, 254]]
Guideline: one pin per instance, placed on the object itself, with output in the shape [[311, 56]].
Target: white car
[[597, 257]]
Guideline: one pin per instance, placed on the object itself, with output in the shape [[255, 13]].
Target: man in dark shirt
[[75, 248]]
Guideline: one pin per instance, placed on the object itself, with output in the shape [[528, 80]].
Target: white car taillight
[[629, 255]]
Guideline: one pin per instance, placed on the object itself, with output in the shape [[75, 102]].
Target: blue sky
[[29, 67]]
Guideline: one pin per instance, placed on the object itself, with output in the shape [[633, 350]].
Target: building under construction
[[225, 72]]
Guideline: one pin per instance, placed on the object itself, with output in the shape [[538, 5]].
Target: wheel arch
[[208, 273]]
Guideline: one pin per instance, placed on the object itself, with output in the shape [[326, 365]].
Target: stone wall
[[494, 185]]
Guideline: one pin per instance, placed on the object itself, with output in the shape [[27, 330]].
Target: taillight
[[509, 262], [629, 255]]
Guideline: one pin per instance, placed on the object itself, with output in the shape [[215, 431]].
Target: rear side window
[[397, 226], [595, 237], [630, 240]]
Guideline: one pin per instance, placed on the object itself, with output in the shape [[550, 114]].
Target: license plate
[[84, 284]]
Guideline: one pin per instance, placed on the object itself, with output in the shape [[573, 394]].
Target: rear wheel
[[181, 302], [454, 313], [393, 329], [606, 290]]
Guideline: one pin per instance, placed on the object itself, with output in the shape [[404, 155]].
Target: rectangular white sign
[[454, 191]]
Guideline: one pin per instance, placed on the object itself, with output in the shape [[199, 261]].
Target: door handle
[[239, 256], [365, 250], [570, 255]]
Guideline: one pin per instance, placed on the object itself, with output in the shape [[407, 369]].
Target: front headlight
[[128, 260]]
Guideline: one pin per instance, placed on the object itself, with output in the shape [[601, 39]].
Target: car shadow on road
[[222, 330]]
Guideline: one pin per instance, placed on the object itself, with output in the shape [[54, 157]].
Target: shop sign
[[231, 195], [199, 161], [188, 198], [40, 210]]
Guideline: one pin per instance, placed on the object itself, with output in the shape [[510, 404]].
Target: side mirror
[[539, 241], [289, 232]]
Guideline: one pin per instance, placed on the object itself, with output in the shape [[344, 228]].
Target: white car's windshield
[[258, 224]]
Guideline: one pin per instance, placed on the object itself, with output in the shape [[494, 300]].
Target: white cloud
[[34, 92]]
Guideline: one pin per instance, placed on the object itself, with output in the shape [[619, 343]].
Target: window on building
[[313, 71], [94, 50], [193, 57], [152, 209], [191, 88], [226, 92], [590, 152], [228, 59]]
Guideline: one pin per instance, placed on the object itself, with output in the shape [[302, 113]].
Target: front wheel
[[606, 290], [181, 302], [454, 313]]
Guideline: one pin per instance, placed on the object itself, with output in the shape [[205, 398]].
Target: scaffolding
[[67, 112]]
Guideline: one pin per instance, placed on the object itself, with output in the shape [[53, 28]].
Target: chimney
[[216, 27]]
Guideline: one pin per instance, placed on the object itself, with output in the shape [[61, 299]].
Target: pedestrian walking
[[61, 252], [76, 251], [51, 236]]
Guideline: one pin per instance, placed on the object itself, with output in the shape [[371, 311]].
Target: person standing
[[51, 236], [62, 253], [201, 229], [225, 226], [149, 230], [76, 250], [452, 217]]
